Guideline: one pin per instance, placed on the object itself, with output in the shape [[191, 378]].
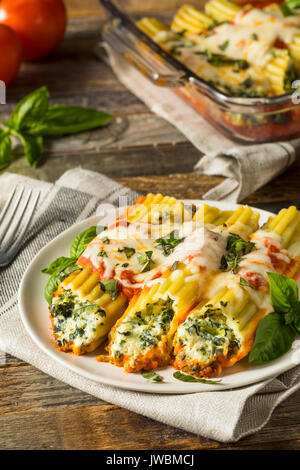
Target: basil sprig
[[276, 332], [190, 378], [63, 266], [33, 118], [236, 248], [168, 243], [145, 260]]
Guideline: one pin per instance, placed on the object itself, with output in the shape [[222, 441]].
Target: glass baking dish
[[244, 120]]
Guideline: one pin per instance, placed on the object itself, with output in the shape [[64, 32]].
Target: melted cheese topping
[[250, 37], [116, 253]]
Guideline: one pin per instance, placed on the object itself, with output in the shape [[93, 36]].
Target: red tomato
[[11, 54], [41, 24]]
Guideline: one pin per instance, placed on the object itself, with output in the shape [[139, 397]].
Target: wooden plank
[[151, 170], [25, 388], [193, 186], [113, 163], [66, 418], [92, 8]]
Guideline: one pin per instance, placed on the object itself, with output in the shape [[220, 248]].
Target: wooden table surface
[[148, 154]]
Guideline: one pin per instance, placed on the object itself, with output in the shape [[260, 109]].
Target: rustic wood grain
[[148, 154], [92, 8]]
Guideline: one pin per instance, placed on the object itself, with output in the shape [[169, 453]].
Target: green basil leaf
[[293, 317], [273, 339], [32, 108], [152, 376], [64, 120], [288, 7], [168, 243], [110, 286], [190, 378], [56, 279], [236, 249], [283, 292], [5, 150], [145, 260], [33, 147], [81, 242], [58, 265]]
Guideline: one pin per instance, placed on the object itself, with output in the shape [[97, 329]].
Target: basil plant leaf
[[283, 292], [58, 265], [5, 150], [64, 120], [32, 108], [56, 279], [81, 242], [33, 147], [293, 317], [272, 340]]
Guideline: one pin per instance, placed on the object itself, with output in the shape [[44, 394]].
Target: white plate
[[35, 316]]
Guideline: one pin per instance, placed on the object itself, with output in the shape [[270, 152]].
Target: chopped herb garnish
[[223, 304], [129, 252], [111, 287], [224, 45], [168, 243], [174, 266], [125, 265], [219, 60], [243, 282], [215, 24], [145, 260], [106, 240], [174, 50], [247, 83], [152, 376], [190, 378], [102, 254], [254, 37], [236, 249]]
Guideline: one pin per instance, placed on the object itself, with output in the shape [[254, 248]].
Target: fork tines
[[15, 219]]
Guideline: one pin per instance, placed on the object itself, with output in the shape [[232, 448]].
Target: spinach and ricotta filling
[[76, 320], [143, 329], [207, 337]]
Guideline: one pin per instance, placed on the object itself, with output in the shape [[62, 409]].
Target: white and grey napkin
[[245, 167], [225, 416]]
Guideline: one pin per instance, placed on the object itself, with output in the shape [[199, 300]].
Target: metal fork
[[15, 219]]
